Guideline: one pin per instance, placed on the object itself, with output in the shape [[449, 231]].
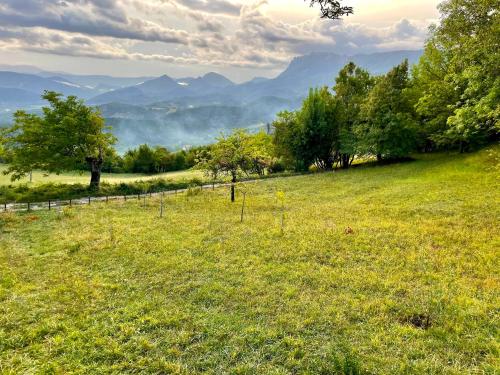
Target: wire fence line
[[57, 204]]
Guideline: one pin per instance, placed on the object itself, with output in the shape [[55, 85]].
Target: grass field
[[411, 288], [40, 178]]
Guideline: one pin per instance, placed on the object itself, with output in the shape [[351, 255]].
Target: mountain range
[[177, 112]]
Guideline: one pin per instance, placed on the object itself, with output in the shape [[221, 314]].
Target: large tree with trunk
[[67, 134], [332, 9]]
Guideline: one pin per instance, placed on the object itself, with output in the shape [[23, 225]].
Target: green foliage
[[306, 137], [151, 160], [317, 126], [236, 155], [68, 134], [458, 78], [364, 116], [387, 128], [261, 152], [287, 140], [351, 88]]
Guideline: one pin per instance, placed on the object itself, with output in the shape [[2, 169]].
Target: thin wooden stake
[[243, 205], [283, 219], [161, 206]]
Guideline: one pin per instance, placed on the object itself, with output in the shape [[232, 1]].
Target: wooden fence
[[58, 204]]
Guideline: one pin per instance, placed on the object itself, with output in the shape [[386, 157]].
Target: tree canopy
[[67, 134], [237, 154], [458, 77], [332, 9]]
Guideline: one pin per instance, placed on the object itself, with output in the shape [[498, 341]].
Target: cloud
[[41, 41], [210, 6], [223, 33], [91, 17]]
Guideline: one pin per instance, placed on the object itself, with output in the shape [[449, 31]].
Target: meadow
[[378, 270], [40, 177]]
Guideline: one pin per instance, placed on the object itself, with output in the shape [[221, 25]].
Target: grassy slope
[[115, 289], [39, 177]]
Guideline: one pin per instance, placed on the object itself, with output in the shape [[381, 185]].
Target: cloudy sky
[[239, 38]]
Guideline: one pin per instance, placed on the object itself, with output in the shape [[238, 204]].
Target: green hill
[[381, 270]]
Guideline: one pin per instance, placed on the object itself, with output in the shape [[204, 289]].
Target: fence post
[[5, 206], [71, 203], [125, 197], [106, 199], [29, 207], [89, 200], [161, 206], [139, 197], [49, 204]]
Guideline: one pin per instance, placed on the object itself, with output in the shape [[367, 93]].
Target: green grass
[[40, 178], [414, 289]]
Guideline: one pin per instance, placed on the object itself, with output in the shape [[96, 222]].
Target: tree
[[229, 156], [332, 9], [458, 77], [162, 160], [318, 127], [113, 163], [144, 161], [260, 152], [287, 140], [67, 134], [306, 137], [387, 128], [351, 88]]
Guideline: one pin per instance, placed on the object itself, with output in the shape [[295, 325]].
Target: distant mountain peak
[[217, 79]]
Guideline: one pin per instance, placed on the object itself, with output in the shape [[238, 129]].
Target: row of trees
[[364, 115], [449, 100], [149, 160]]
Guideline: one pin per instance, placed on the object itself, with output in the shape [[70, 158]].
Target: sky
[[241, 39]]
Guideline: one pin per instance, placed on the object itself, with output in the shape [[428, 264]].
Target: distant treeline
[[149, 160]]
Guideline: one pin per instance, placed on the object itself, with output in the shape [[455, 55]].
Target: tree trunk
[[95, 165], [233, 181], [344, 161], [379, 157]]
